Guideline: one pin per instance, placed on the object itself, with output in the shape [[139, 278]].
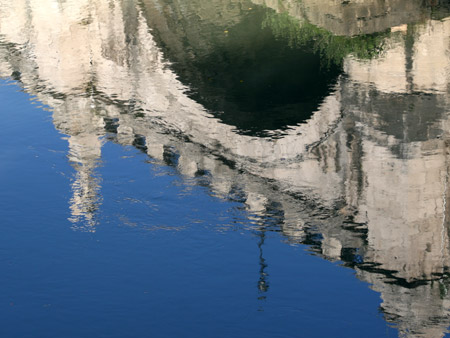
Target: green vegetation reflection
[[253, 68], [333, 49]]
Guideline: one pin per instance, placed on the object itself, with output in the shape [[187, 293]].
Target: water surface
[[224, 168]]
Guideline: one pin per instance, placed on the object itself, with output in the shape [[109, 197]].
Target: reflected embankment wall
[[351, 18], [368, 171]]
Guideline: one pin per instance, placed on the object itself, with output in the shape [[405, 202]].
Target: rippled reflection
[[355, 164]]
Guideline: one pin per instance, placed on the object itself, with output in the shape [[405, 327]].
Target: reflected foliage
[[332, 48], [245, 76]]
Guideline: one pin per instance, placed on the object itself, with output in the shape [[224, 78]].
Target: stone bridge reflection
[[362, 179]]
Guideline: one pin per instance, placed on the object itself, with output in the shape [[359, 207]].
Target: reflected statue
[[360, 175], [77, 119]]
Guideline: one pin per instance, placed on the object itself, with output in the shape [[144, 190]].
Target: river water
[[224, 168]]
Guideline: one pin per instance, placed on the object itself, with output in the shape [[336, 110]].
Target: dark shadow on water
[[245, 75]]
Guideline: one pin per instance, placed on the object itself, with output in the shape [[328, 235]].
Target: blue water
[[167, 259]]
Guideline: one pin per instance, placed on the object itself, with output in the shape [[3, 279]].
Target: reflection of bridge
[[372, 159]]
